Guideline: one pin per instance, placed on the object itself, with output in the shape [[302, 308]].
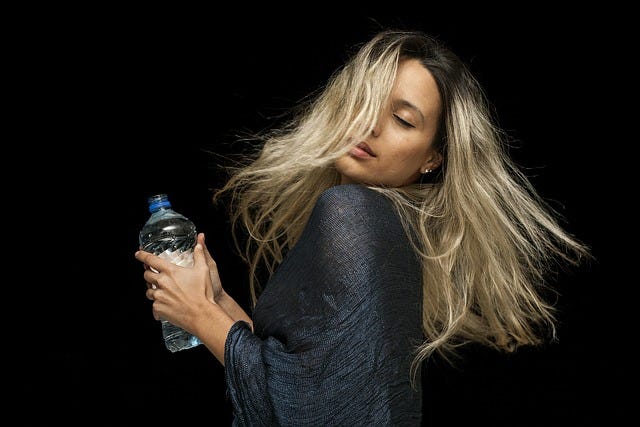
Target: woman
[[392, 225]]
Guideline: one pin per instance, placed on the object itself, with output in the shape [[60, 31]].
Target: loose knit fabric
[[336, 326]]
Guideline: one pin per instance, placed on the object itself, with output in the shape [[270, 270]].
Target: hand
[[216, 284], [180, 295]]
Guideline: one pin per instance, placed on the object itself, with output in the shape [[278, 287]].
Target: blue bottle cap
[[158, 201]]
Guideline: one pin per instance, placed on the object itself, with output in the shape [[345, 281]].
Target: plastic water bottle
[[172, 236]]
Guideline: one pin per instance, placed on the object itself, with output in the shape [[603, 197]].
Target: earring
[[427, 170]]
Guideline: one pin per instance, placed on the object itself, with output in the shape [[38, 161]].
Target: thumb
[[198, 256], [207, 254]]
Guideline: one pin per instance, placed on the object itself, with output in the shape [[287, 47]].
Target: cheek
[[402, 164], [403, 169], [408, 156]]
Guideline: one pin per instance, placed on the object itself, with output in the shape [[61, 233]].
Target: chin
[[350, 171]]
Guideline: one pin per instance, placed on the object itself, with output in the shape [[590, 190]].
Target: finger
[[153, 261], [198, 256], [149, 294], [207, 254], [151, 278], [202, 242]]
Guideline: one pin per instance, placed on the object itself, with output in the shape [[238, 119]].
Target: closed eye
[[402, 121]]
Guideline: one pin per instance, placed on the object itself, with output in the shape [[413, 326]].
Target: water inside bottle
[[171, 236], [176, 339]]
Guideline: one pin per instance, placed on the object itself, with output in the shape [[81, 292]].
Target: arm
[[182, 296]]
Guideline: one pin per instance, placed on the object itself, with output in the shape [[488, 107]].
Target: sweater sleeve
[[336, 325]]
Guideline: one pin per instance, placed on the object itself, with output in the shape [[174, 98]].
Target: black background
[[116, 105]]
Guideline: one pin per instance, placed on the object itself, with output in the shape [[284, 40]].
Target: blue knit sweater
[[336, 326]]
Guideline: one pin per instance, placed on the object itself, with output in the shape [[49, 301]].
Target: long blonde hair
[[487, 240]]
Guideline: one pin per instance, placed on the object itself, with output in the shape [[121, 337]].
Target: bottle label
[[181, 258]]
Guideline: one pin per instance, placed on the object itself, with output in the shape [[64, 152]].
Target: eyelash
[[403, 122]]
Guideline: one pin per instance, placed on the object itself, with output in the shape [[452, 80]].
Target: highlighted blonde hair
[[487, 240]]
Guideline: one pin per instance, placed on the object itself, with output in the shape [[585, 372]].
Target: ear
[[432, 162]]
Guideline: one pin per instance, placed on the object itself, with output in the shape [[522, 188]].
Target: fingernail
[[198, 246]]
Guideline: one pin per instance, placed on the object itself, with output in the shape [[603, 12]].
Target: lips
[[362, 150], [364, 147]]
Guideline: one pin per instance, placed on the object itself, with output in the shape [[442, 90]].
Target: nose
[[376, 130]]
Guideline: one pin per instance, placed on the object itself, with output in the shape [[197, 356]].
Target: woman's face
[[399, 148]]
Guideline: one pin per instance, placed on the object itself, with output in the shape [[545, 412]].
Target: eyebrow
[[409, 105]]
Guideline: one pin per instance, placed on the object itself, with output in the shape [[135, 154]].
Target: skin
[[402, 141], [192, 298]]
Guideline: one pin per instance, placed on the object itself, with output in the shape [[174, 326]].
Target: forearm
[[212, 329], [233, 309]]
